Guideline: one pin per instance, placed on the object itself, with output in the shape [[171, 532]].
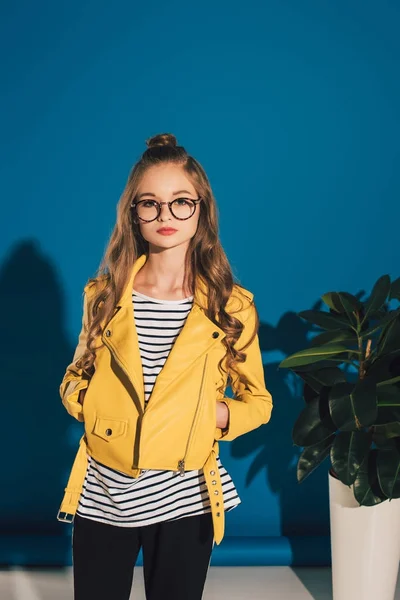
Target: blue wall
[[291, 107]]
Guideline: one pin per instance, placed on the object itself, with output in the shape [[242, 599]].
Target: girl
[[164, 330]]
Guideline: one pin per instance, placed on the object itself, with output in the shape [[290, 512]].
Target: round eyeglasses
[[180, 208]]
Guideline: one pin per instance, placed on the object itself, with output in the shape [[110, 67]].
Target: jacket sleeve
[[74, 379], [252, 402]]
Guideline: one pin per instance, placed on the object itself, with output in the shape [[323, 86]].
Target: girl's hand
[[222, 415]]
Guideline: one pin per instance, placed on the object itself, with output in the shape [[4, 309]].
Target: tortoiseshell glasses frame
[[158, 205]]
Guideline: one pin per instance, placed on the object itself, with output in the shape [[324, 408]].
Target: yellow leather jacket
[[177, 431]]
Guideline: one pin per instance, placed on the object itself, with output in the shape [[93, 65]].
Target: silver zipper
[[181, 462]]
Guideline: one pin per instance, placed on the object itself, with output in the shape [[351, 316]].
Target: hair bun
[[162, 139]]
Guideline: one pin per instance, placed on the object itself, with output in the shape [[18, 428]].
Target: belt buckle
[[67, 518]]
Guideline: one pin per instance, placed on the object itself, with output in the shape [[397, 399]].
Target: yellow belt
[[212, 477], [214, 486], [74, 487]]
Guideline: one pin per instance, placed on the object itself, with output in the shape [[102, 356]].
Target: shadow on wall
[[38, 439], [272, 445]]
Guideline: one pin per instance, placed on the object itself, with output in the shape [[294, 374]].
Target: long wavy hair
[[205, 257]]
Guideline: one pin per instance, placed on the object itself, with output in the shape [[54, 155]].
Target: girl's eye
[[147, 203], [182, 201]]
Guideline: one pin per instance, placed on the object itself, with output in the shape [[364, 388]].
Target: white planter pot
[[365, 545]]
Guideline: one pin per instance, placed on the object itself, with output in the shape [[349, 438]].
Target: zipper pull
[[181, 467]]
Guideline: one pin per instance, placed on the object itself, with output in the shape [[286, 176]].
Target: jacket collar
[[200, 292]]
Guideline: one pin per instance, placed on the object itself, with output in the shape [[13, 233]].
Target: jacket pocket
[[109, 429]]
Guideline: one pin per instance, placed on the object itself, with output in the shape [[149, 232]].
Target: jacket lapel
[[193, 341], [195, 338]]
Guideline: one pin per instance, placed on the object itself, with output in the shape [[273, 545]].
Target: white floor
[[223, 583]]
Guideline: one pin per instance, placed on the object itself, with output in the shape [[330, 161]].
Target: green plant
[[351, 387]]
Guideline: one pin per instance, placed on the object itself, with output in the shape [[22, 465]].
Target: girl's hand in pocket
[[82, 396], [222, 415]]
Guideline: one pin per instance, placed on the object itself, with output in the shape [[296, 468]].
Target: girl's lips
[[166, 231]]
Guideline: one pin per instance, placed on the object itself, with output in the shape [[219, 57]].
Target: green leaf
[[383, 443], [388, 468], [309, 428], [389, 381], [388, 404], [387, 415], [323, 364], [322, 377], [389, 431], [391, 354], [367, 491], [348, 453], [381, 368], [389, 338], [395, 290], [377, 315], [323, 319], [309, 393], [386, 319], [342, 302], [337, 335], [313, 355], [388, 395], [378, 296], [312, 457], [352, 300], [345, 304], [353, 406]]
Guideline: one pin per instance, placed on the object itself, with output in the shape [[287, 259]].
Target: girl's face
[[165, 183]]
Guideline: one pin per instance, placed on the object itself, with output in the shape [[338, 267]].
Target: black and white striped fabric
[[112, 497]]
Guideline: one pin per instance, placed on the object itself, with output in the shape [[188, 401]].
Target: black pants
[[176, 557]]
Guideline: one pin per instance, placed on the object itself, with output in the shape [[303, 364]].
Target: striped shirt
[[112, 497]]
